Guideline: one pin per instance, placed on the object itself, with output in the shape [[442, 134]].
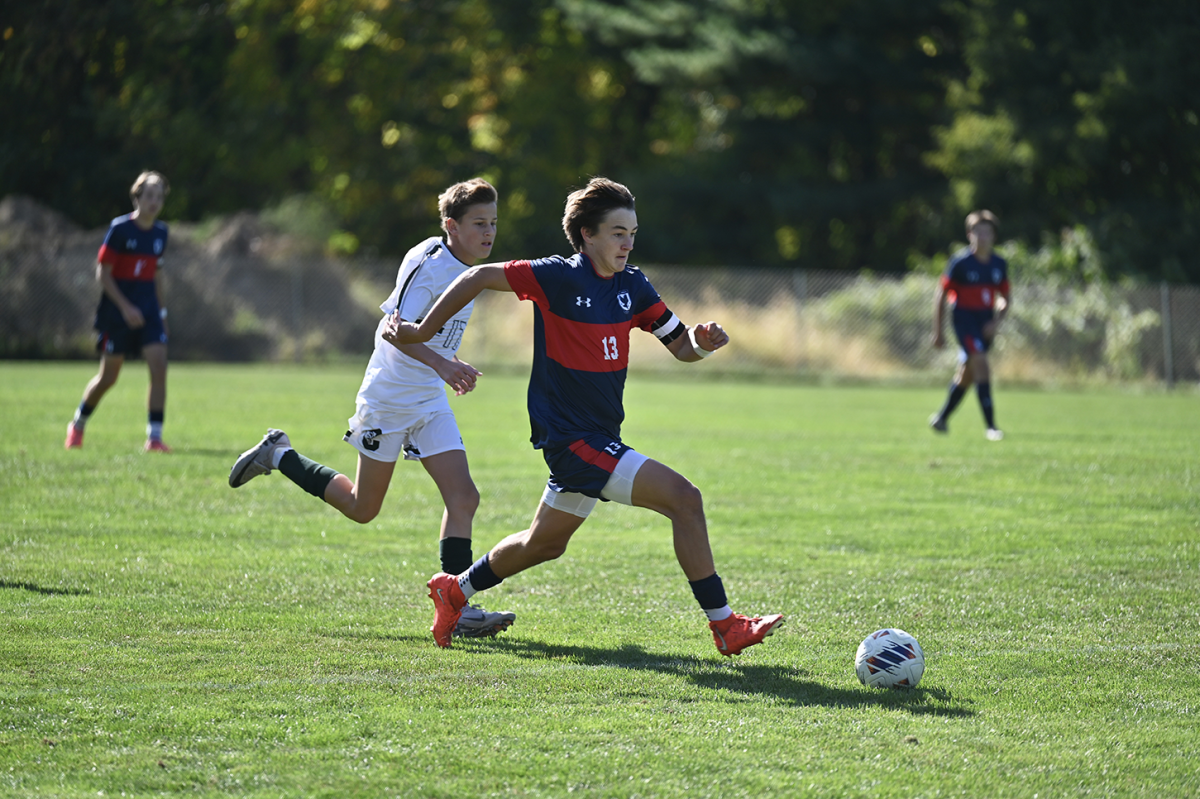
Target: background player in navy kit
[[585, 307], [976, 284], [131, 320], [401, 408]]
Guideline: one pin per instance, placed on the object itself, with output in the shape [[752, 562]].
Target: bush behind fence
[[234, 298]]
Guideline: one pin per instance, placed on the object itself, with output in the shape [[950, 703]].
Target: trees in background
[[846, 134]]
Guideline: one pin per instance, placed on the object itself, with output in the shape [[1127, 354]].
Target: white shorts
[[619, 488], [383, 435]]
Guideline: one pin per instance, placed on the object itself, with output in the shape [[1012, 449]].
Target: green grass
[[162, 633]]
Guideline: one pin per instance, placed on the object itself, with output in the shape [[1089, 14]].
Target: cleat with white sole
[[475, 622], [257, 460]]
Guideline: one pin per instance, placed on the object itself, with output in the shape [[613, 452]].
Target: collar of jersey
[[592, 266]]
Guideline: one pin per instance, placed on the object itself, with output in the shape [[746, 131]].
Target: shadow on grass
[[37, 589], [740, 677]]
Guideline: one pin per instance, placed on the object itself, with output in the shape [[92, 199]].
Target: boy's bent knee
[[361, 515], [689, 498]]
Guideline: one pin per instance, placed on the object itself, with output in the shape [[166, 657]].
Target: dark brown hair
[[454, 201], [587, 207]]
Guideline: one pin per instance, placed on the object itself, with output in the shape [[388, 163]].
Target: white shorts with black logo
[[383, 435]]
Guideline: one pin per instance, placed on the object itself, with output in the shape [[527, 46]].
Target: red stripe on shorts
[[594, 456]]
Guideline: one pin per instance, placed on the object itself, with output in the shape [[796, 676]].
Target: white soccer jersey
[[394, 380]]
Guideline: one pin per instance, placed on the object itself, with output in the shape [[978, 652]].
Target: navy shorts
[[584, 466], [114, 337], [968, 327]]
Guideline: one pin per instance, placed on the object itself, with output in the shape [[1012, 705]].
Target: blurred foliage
[[1083, 113], [845, 134]]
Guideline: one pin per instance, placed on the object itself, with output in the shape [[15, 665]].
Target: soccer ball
[[889, 659]]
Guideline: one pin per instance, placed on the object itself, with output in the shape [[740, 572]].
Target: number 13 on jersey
[[609, 345]]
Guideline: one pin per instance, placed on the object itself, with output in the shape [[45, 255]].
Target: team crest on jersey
[[158, 246], [369, 439], [996, 275], [624, 300]]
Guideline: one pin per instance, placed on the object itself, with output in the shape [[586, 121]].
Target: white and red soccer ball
[[889, 658]]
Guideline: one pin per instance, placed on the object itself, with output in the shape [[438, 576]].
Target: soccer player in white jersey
[[402, 406], [584, 309]]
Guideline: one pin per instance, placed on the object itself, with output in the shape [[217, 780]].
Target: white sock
[[154, 430], [718, 614], [277, 456], [464, 584]]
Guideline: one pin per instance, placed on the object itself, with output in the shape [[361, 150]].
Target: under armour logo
[[587, 301]]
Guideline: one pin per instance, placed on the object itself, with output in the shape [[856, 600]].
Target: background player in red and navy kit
[[976, 284], [584, 309], [131, 320]]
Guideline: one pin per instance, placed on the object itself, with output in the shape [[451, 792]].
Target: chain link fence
[[239, 295], [821, 323]]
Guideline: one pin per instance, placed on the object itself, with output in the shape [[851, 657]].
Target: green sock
[[309, 475]]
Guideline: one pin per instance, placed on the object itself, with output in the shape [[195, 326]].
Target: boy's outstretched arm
[[465, 288]]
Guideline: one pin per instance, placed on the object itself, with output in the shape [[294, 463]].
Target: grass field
[[163, 633]]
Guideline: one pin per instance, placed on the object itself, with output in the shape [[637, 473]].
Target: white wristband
[[703, 353], [162, 313]]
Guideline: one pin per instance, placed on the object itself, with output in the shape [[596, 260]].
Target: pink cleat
[[448, 604], [74, 437], [156, 445], [734, 634]]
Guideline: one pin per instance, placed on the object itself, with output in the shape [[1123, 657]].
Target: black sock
[[309, 475], [82, 413], [455, 554], [985, 402], [709, 592], [957, 392], [481, 575]]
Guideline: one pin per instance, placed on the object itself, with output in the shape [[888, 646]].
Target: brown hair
[[982, 215], [135, 191], [454, 201], [587, 207]]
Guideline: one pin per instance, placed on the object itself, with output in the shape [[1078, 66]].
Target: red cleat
[[74, 437], [734, 634], [448, 604], [156, 445]]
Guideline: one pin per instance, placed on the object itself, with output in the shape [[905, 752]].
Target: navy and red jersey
[[581, 343], [133, 252], [973, 286]]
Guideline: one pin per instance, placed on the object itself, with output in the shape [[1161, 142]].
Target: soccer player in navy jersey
[[584, 309], [976, 284], [131, 320]]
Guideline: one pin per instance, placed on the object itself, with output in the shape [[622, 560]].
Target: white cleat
[[995, 434], [257, 460], [476, 622]]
